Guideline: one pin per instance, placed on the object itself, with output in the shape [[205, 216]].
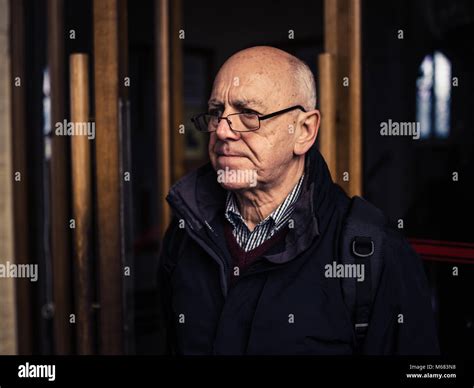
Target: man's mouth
[[229, 155]]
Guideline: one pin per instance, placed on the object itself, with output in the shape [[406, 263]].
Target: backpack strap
[[361, 243]]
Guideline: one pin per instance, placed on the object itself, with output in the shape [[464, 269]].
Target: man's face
[[249, 159]]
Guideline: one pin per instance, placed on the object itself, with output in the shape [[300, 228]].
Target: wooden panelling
[[60, 185], [8, 333], [108, 176], [327, 133], [342, 39], [82, 202], [20, 184], [163, 110], [177, 119]]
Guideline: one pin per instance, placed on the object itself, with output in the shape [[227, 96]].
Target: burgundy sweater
[[243, 259]]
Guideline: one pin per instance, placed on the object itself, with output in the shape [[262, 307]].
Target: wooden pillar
[[60, 193], [20, 179], [327, 133], [177, 137], [127, 192], [342, 34], [355, 98], [108, 174], [8, 333], [82, 202], [163, 114]]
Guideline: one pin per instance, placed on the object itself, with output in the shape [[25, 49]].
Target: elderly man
[[265, 254]]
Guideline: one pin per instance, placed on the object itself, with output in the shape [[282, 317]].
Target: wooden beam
[[331, 26], [20, 179], [177, 138], [82, 202], [108, 174], [342, 37], [60, 193], [327, 132], [355, 98], [163, 111], [127, 195], [8, 333]]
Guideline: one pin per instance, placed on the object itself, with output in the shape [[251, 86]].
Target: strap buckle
[[362, 246], [361, 329]]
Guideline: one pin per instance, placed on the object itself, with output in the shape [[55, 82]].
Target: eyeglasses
[[238, 122]]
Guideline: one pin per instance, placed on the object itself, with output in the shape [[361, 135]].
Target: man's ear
[[308, 131]]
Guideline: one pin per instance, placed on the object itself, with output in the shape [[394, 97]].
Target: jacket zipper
[[210, 247]]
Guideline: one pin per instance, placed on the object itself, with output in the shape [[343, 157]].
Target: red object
[[444, 251]]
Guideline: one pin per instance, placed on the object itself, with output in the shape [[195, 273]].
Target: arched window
[[433, 100]]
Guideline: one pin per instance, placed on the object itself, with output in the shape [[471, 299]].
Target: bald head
[[290, 74]]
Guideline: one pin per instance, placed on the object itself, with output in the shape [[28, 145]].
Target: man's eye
[[249, 112], [215, 112]]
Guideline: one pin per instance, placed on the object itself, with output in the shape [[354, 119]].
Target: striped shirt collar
[[266, 228]]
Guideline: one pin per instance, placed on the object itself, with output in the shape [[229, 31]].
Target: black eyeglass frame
[[260, 118]]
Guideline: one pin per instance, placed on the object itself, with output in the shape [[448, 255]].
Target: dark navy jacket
[[283, 304]]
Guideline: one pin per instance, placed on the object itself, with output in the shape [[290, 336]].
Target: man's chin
[[236, 179], [231, 162], [232, 174], [234, 186]]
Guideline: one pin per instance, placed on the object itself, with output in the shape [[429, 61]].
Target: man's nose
[[224, 132]]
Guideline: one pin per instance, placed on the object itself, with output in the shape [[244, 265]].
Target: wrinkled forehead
[[251, 80]]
